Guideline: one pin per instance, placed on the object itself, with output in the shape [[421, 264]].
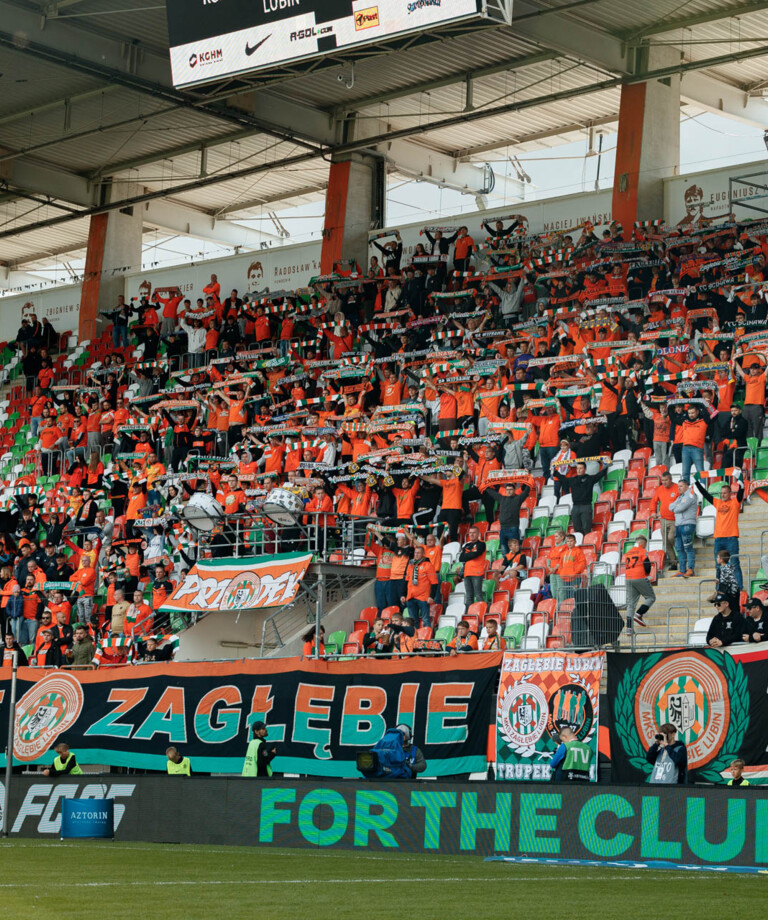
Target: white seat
[[447, 619], [541, 511], [536, 637], [618, 595], [451, 552], [521, 595], [611, 560], [615, 527], [623, 457], [654, 545], [523, 606], [696, 639], [676, 470], [455, 611], [709, 510], [547, 490], [547, 501], [620, 580], [703, 624], [531, 584], [460, 588], [705, 527], [626, 517], [514, 617], [567, 501], [579, 538]]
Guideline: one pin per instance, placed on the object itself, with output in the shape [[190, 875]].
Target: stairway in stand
[[678, 598]]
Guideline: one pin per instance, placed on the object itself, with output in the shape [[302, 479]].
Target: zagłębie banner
[[319, 714], [716, 699], [539, 693], [239, 584]]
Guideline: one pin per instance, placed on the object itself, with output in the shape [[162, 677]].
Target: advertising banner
[[209, 43], [239, 584], [713, 827], [319, 714], [539, 694], [716, 700]]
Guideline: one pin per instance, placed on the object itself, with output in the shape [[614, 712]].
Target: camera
[[659, 737]]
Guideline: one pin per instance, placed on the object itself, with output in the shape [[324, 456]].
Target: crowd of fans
[[427, 400]]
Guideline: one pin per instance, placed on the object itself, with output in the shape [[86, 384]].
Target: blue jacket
[[15, 606]]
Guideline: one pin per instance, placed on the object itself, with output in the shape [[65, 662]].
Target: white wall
[[288, 267], [708, 193], [61, 305]]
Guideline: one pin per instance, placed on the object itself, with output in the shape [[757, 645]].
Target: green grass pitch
[[111, 881]]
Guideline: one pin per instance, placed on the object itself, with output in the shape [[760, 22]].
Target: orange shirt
[[475, 566], [549, 429], [420, 577], [435, 555], [462, 246], [693, 434], [665, 497], [452, 492], [405, 499], [727, 520], [634, 563], [391, 392], [49, 436], [755, 389], [237, 415], [573, 562], [135, 504]]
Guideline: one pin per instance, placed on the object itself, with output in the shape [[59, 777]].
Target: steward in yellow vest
[[177, 765], [258, 760], [64, 764]]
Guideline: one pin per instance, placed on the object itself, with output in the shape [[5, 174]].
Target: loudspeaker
[[595, 620]]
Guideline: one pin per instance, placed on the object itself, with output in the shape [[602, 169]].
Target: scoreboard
[[214, 39]]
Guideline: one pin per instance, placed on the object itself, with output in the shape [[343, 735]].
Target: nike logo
[[250, 49]]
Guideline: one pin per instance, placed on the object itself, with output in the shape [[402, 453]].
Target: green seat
[[537, 527], [28, 650], [560, 522], [714, 490], [331, 649], [761, 473], [492, 547], [489, 586], [337, 638], [445, 571], [514, 634], [761, 455], [752, 444], [605, 580], [613, 480], [445, 634]]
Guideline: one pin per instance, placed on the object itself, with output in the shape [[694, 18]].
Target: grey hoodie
[[685, 507]]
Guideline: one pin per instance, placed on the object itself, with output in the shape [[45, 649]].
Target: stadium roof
[[89, 119]]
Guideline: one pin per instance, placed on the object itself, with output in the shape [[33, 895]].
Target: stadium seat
[[337, 638]]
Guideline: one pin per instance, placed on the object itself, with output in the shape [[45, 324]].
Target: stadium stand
[[488, 427]]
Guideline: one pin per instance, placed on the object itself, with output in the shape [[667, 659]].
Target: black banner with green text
[[319, 714]]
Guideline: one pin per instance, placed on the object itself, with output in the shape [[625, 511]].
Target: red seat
[[540, 562], [498, 609], [369, 614], [350, 648], [500, 596], [477, 610], [473, 620], [593, 538], [602, 515], [358, 636], [657, 471], [482, 526], [608, 497], [531, 546], [494, 528], [637, 466], [539, 573], [562, 627], [424, 632], [555, 642], [360, 626], [387, 612], [548, 607], [445, 590], [537, 617], [645, 453], [591, 553], [510, 585], [657, 559]]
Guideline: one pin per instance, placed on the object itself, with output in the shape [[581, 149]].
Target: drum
[[202, 511], [282, 506]]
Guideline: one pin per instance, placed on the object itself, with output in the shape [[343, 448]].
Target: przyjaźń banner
[[539, 693], [319, 714]]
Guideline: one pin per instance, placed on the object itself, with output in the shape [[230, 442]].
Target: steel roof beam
[[695, 19], [724, 99]]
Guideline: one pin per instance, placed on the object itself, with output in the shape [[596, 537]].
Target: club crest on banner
[[46, 711]]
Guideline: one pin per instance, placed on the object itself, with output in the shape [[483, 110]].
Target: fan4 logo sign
[[43, 802], [240, 587]]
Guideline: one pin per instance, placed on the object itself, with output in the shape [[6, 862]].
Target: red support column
[[94, 263], [335, 216], [629, 148]]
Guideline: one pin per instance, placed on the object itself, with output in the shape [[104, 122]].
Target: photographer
[[258, 760], [668, 756]]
